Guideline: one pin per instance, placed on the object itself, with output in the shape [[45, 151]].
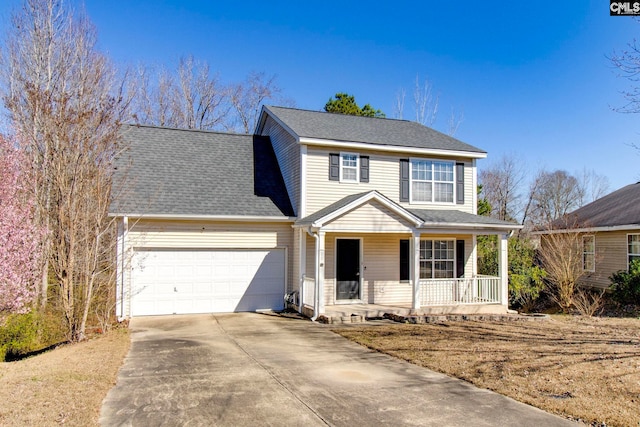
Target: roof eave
[[236, 218], [630, 227], [387, 147]]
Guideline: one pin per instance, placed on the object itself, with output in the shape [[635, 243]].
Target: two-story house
[[329, 209]]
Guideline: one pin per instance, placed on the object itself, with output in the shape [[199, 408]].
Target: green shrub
[[626, 284], [20, 335]]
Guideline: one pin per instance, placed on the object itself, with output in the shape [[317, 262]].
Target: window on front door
[[437, 259]]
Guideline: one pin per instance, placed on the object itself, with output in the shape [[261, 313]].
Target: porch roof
[[442, 220], [451, 218]]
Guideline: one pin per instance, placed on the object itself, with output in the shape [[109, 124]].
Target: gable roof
[[189, 173], [618, 209], [421, 218], [349, 203], [370, 130]]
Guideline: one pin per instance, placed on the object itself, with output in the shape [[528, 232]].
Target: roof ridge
[[348, 115], [139, 125]]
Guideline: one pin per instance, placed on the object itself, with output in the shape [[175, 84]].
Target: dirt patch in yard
[[580, 368], [63, 386]]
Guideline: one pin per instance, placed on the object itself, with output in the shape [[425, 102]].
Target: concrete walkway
[[261, 370]]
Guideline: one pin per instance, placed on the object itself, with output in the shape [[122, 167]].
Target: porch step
[[464, 317]]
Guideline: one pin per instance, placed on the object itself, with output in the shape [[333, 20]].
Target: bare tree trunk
[[66, 106]]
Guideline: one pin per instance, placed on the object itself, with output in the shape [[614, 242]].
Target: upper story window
[[349, 167], [634, 247], [589, 253], [432, 181]]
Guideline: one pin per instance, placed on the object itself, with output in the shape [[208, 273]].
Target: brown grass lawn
[[580, 368], [64, 386]]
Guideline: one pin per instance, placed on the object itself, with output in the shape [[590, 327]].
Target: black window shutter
[[459, 258], [404, 260], [460, 183], [404, 180], [364, 168], [334, 167]]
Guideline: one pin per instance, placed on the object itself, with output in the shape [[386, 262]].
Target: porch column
[[320, 278], [302, 266], [503, 270], [415, 270]]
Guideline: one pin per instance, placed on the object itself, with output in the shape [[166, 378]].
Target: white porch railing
[[473, 290], [308, 291]]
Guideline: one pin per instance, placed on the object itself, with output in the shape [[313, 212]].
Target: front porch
[[370, 257], [479, 295]]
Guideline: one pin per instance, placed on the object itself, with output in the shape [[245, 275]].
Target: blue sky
[[532, 78]]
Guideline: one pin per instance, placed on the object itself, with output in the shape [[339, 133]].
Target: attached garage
[[182, 281]]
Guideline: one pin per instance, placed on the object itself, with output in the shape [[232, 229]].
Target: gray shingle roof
[[622, 207], [340, 127], [452, 216], [188, 172]]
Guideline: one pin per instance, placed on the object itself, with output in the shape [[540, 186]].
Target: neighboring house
[[610, 234], [330, 209]]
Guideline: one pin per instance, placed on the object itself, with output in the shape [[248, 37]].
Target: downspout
[[316, 299]]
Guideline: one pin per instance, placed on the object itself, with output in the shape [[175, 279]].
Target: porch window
[[589, 253], [634, 247], [437, 259], [348, 167], [431, 181]]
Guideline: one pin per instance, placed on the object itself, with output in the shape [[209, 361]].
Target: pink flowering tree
[[20, 237]]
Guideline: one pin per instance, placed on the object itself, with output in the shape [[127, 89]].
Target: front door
[[347, 269]]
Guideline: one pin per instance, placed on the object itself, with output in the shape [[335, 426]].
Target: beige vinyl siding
[[381, 266], [288, 154], [384, 176], [370, 217], [213, 235], [611, 256], [311, 256]]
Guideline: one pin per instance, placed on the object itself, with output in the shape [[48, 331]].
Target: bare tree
[[398, 106], [201, 97], [66, 105], [593, 186], [501, 184], [554, 194], [248, 96], [190, 99], [562, 258], [426, 105], [455, 120]]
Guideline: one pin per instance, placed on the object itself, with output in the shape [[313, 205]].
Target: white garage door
[[206, 281]]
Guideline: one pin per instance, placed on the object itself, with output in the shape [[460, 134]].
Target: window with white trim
[[432, 181], [589, 253], [437, 259], [349, 167], [633, 251]]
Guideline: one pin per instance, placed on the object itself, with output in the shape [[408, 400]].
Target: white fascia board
[[238, 218], [282, 124], [394, 148], [470, 226], [589, 229], [362, 200]]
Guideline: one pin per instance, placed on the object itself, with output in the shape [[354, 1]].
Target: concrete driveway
[[260, 370]]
